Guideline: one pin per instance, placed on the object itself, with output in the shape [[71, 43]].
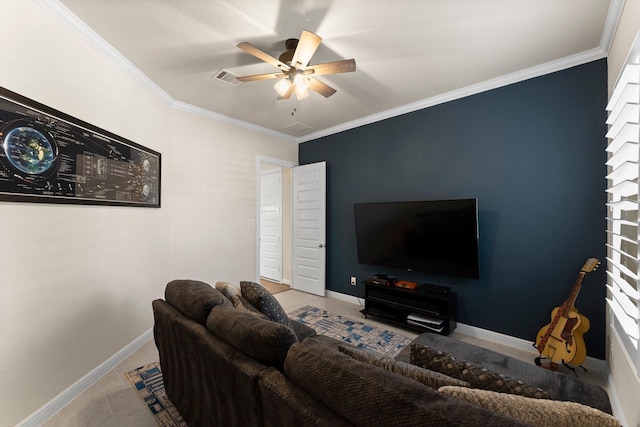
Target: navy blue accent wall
[[531, 152]]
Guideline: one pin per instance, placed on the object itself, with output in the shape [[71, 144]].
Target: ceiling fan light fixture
[[301, 93], [282, 86], [301, 83]]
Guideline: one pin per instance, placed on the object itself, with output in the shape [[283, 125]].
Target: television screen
[[439, 237]]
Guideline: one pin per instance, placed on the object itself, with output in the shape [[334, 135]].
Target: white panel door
[[271, 224], [309, 228]]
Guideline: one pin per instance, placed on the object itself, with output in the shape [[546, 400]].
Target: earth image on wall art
[[29, 150]]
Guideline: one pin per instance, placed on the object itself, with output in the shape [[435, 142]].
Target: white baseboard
[[343, 297], [485, 334], [520, 344], [616, 408], [80, 386]]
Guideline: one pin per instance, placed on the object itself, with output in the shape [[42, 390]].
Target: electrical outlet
[[353, 280]]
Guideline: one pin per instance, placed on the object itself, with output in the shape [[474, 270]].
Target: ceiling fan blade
[[256, 77], [307, 46], [322, 88], [252, 50], [287, 94], [344, 66]]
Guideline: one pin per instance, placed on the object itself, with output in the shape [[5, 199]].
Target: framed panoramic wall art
[[50, 157]]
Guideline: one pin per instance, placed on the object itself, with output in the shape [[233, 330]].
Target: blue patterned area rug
[[351, 331], [147, 380]]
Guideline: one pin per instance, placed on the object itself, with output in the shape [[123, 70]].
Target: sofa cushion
[[540, 412], [266, 303], [425, 376], [286, 404], [366, 395], [262, 339], [476, 375], [301, 330], [193, 298]]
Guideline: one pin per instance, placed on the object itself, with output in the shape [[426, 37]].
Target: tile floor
[[111, 401]]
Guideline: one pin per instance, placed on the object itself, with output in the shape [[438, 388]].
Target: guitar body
[[565, 344], [561, 341], [581, 349]]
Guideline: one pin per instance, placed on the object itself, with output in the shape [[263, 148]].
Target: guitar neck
[[568, 304]]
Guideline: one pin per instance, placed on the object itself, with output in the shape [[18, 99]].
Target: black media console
[[426, 309]]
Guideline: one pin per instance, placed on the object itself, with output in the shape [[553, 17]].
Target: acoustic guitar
[[561, 340]]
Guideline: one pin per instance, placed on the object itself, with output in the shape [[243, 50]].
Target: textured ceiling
[[409, 53]]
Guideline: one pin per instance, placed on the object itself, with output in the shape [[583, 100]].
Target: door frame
[[278, 162]]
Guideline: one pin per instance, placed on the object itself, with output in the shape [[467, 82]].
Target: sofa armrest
[[203, 375]]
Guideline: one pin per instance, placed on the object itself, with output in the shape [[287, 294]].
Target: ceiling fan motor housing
[[290, 45]]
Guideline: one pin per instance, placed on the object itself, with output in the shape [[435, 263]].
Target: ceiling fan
[[295, 72]]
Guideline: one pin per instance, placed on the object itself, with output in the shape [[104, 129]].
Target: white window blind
[[623, 188]]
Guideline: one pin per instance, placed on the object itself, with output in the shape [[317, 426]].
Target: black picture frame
[[47, 156]]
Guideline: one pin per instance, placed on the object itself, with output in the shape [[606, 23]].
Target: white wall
[[77, 281], [214, 187], [624, 378]]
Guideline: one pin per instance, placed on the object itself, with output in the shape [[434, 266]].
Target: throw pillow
[[228, 290], [551, 413], [476, 375], [266, 303], [424, 376]]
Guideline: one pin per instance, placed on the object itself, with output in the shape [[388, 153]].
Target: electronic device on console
[[406, 284], [436, 289], [381, 279]]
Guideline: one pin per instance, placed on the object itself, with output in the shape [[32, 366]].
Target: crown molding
[[230, 120], [611, 24], [606, 39], [79, 27], [64, 15], [519, 76]]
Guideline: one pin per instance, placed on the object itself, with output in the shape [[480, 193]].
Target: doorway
[[271, 224], [273, 220], [303, 223]]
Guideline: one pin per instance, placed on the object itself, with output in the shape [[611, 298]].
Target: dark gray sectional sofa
[[230, 366]]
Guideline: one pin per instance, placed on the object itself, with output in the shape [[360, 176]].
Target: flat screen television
[[438, 236]]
